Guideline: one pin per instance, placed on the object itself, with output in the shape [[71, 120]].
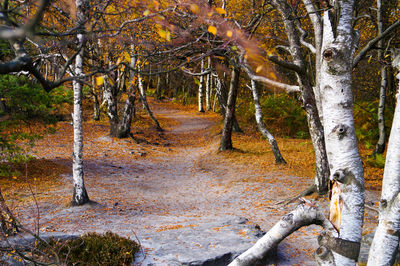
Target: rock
[[210, 243]]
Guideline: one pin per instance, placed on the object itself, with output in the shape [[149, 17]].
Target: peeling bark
[[341, 144]]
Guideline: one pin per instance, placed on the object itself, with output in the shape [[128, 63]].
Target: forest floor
[[164, 181]]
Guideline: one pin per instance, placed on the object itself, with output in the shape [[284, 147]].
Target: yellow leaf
[[194, 8], [146, 12], [369, 59], [220, 11], [272, 74], [258, 69], [210, 14], [229, 33], [212, 29], [14, 177], [99, 80], [162, 33], [119, 60]]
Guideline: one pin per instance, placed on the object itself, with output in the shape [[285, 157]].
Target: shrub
[[107, 249], [282, 113]]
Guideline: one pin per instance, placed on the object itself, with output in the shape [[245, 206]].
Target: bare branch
[[287, 87], [374, 41]]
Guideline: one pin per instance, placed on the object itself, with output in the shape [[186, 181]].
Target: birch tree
[[386, 240], [201, 89], [80, 195], [261, 126]]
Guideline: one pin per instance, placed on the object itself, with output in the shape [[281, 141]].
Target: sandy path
[[182, 184]]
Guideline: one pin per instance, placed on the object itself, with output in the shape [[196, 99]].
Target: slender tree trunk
[[143, 98], [96, 107], [222, 95], [208, 86], [158, 88], [201, 89], [380, 146], [261, 126], [226, 138], [80, 195], [386, 240], [347, 172]]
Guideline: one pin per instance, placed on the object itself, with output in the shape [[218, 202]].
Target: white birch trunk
[[201, 89], [208, 86], [341, 143], [380, 146], [261, 126], [386, 240], [304, 215], [80, 195]]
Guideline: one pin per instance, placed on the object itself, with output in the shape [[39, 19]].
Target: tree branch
[[374, 41]]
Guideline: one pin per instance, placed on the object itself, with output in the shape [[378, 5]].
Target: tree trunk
[[303, 215], [201, 89], [208, 86], [143, 98], [226, 138], [110, 95], [221, 94], [96, 107], [321, 179], [80, 195], [380, 146], [158, 88], [124, 129], [386, 240], [261, 126], [347, 172]]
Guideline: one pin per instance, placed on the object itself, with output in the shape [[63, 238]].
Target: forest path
[[182, 182]]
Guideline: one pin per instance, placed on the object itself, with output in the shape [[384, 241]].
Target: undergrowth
[[106, 249]]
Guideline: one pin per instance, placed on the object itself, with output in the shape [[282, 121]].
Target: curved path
[[147, 190]]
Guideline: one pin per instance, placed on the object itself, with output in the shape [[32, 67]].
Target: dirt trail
[[181, 184]]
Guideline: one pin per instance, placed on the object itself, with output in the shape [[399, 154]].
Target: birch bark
[[201, 89], [208, 86], [261, 126], [80, 195], [386, 240], [380, 146], [341, 144]]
